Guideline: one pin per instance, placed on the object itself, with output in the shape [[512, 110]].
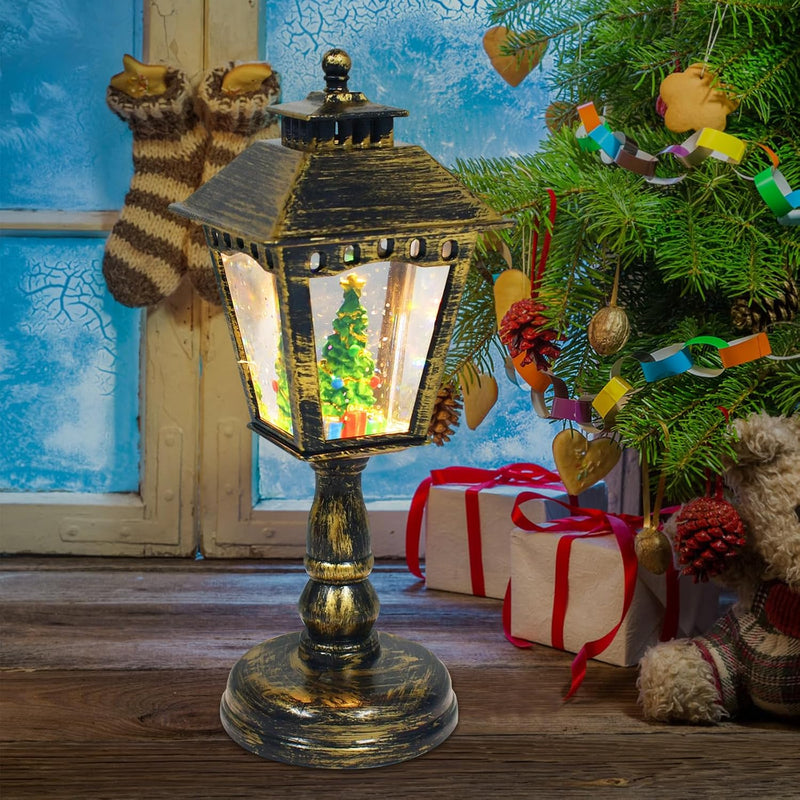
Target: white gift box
[[447, 561], [595, 597]]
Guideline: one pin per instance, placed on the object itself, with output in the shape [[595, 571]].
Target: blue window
[[69, 355]]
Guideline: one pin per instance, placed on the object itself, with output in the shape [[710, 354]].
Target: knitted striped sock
[[145, 253], [234, 120]]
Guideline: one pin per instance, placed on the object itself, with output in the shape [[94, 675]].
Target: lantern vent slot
[[316, 261], [416, 248], [385, 247], [351, 254], [449, 249], [226, 237], [254, 250]]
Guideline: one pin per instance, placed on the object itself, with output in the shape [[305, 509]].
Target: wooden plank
[[510, 766], [57, 223], [116, 667], [116, 705]]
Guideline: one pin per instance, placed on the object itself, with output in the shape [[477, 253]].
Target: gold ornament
[[653, 550], [354, 282], [138, 79], [581, 463], [558, 114], [609, 329], [246, 77]]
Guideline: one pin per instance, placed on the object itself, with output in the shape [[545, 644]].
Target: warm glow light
[[255, 302], [373, 327]]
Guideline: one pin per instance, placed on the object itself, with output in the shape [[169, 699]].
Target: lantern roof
[[336, 173], [272, 193]]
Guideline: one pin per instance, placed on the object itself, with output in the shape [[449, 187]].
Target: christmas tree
[[704, 255], [346, 368]]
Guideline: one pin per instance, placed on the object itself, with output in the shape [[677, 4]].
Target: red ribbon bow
[[588, 523], [478, 479]]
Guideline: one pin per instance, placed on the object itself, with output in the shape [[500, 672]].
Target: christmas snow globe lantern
[[341, 258]]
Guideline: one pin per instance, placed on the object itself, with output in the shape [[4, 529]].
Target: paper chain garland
[[666, 362], [615, 148]]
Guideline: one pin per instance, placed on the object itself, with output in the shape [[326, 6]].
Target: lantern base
[[397, 707]]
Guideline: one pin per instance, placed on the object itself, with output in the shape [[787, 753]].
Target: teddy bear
[[750, 659]]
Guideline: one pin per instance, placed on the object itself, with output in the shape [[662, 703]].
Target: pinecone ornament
[[709, 532], [445, 416], [521, 330], [758, 316]]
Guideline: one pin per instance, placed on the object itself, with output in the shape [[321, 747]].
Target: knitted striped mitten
[[233, 103], [145, 253]]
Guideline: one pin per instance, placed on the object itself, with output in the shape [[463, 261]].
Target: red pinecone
[[710, 531], [521, 331]]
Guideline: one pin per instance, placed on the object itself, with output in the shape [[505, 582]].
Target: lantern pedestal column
[[339, 694]]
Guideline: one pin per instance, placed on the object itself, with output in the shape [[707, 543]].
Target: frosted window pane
[[511, 432], [255, 298], [416, 54], [373, 327], [60, 145], [69, 371]]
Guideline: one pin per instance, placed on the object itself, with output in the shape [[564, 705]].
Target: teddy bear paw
[[677, 683]]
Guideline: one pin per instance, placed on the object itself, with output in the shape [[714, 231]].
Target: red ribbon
[[477, 480], [537, 272], [588, 523]]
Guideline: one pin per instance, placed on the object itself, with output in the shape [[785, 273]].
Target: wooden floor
[[113, 670]]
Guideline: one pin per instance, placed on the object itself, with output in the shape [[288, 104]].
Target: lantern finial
[[336, 65]]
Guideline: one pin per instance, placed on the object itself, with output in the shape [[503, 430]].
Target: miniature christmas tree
[[705, 255], [346, 368]]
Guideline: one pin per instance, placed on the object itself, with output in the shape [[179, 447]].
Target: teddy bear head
[[765, 481]]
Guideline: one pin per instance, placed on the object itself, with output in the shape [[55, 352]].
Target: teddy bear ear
[[762, 438]]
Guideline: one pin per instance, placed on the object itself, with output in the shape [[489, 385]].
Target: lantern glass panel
[[254, 297], [373, 327]]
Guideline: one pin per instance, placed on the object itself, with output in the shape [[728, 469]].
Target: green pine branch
[[687, 253]]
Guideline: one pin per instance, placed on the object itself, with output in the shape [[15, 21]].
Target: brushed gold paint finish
[[338, 694], [342, 572], [399, 706]]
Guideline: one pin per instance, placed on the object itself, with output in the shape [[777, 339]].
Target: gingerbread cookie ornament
[[694, 100]]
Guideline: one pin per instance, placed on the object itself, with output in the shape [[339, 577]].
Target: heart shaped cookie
[[511, 68], [480, 394], [582, 463]]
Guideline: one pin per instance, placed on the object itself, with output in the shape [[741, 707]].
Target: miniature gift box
[[479, 562], [595, 582]]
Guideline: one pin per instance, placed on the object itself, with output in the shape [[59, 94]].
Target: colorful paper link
[[666, 362], [748, 348], [778, 195], [579, 411], [610, 395], [593, 134], [676, 359]]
